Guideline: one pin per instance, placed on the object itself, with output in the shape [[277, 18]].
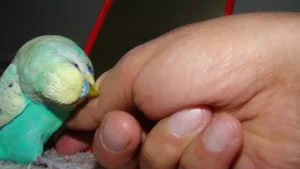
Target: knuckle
[[160, 157]]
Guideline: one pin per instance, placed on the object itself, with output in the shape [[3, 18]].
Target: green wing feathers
[[12, 101]]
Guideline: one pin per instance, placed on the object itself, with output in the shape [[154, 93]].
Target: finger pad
[[68, 145]]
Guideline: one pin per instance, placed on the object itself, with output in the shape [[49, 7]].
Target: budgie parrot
[[49, 76]]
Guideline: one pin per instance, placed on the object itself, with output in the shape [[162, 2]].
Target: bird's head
[[61, 71], [86, 77], [79, 71]]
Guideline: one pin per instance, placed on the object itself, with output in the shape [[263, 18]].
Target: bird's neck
[[61, 111]]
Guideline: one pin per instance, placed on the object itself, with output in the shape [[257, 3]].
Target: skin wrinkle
[[226, 88], [156, 59], [236, 110], [249, 150], [263, 157], [119, 105], [259, 86], [91, 116], [246, 161], [125, 92], [238, 68], [264, 95], [152, 45], [154, 156], [138, 103], [271, 162], [261, 78]]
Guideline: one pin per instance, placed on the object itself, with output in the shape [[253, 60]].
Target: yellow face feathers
[[65, 86]]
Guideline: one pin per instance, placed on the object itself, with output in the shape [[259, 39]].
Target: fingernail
[[219, 135], [186, 121], [113, 138]]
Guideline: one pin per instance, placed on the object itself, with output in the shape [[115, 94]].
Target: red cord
[[94, 33], [229, 7], [98, 24]]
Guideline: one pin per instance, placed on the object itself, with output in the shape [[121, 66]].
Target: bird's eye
[[90, 69], [76, 65]]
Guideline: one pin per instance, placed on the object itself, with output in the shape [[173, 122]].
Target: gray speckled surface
[[80, 160]]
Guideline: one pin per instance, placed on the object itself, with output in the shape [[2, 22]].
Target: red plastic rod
[[95, 31], [229, 7], [98, 24]]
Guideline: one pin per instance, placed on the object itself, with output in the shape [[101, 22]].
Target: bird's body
[[38, 91], [23, 139]]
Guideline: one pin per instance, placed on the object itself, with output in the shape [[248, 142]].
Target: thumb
[[217, 147], [83, 114]]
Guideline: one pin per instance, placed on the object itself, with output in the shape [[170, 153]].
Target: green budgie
[[49, 76]]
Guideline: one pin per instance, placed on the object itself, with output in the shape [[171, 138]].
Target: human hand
[[243, 67]]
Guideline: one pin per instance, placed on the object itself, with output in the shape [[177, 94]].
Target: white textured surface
[[81, 160]]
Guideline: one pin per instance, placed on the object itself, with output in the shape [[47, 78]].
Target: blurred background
[[128, 23]]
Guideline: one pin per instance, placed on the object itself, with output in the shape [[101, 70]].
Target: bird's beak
[[93, 92]]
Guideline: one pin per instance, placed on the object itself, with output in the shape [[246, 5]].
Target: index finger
[[115, 88]]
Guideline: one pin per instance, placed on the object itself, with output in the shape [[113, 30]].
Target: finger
[[192, 62], [73, 142], [189, 62], [115, 88], [85, 113], [166, 142], [216, 147], [116, 141]]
